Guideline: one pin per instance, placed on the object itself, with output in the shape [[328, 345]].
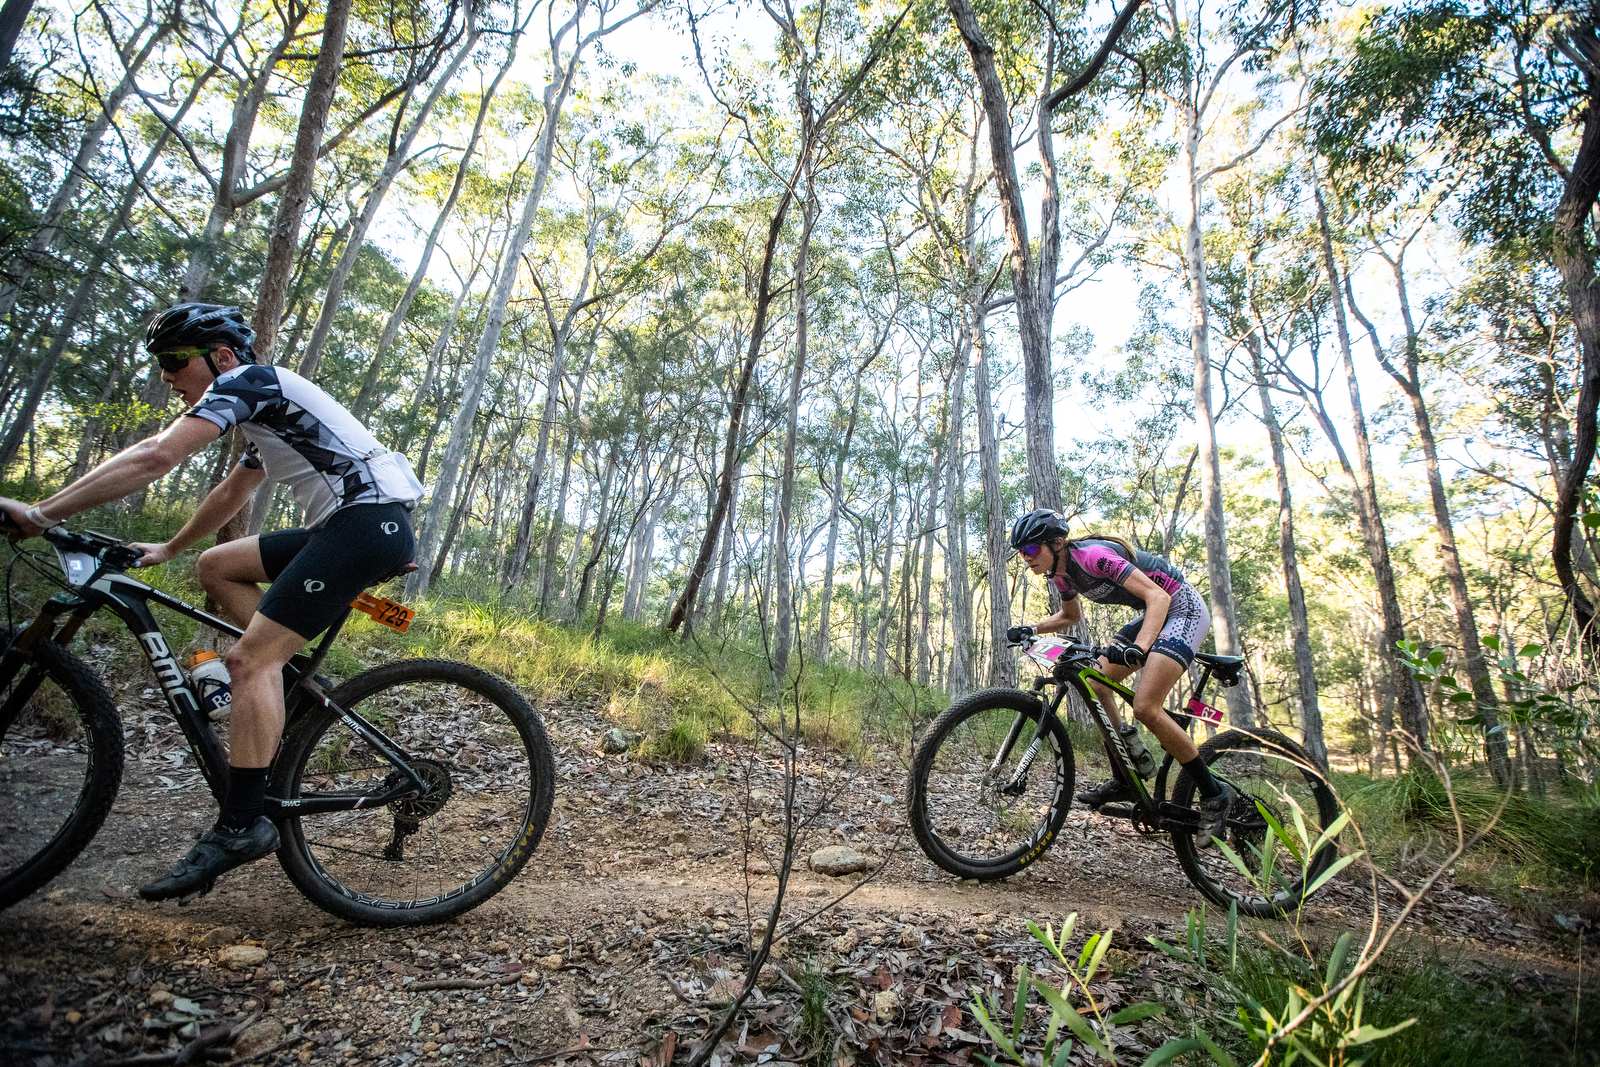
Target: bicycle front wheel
[[1266, 770], [60, 766], [486, 759], [976, 809]]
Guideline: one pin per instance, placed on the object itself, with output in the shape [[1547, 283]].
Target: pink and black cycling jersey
[[1096, 570]]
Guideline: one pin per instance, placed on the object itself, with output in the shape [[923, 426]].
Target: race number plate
[[1201, 710], [395, 616]]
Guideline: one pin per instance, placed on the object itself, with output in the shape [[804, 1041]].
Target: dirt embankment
[[618, 942]]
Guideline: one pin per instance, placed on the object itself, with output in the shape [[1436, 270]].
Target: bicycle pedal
[[1117, 811]]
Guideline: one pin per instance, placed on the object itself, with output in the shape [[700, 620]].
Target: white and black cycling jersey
[[307, 440]]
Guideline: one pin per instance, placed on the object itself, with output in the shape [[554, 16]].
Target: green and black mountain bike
[[992, 780], [409, 794]]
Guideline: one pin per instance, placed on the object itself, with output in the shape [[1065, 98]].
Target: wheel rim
[[1277, 780], [47, 762], [983, 815], [471, 828]]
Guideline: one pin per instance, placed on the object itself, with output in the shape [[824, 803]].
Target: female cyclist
[[1163, 641]]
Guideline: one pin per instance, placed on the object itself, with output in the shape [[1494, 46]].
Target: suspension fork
[[1031, 753]]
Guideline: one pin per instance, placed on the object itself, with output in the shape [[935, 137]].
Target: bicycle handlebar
[[103, 547]]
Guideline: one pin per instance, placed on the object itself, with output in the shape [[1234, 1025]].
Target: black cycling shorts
[[316, 573]]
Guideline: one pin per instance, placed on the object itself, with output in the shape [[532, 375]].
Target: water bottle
[[211, 680], [1144, 764]]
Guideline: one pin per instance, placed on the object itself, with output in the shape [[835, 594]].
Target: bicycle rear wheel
[[973, 808], [1263, 767], [485, 756], [60, 766]]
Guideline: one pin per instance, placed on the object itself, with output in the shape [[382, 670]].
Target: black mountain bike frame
[[1078, 667], [93, 564]]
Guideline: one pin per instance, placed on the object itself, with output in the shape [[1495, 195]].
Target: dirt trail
[[629, 925]]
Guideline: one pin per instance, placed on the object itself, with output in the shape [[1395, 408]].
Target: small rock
[[838, 859], [720, 927], [239, 957], [758, 866], [845, 943], [910, 937], [258, 1038], [74, 1018], [761, 796], [550, 963], [813, 891], [221, 935], [159, 997], [886, 1006], [779, 949], [770, 979], [430, 1046], [678, 837], [617, 741], [276, 987]]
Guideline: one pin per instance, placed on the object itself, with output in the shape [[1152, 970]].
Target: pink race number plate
[[1201, 710]]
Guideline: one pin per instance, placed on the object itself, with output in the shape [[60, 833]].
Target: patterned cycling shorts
[[1186, 626]]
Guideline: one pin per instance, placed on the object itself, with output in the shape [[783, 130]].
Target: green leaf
[[1074, 1021], [1462, 698], [1099, 954], [1019, 1003], [1436, 657], [1277, 829], [1492, 643], [1134, 1012], [1088, 950], [1232, 857], [1591, 519], [1341, 951], [1063, 1056], [1362, 1035], [1170, 1051], [1529, 651], [1335, 828]]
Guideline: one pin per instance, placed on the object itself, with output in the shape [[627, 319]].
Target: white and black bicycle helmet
[[200, 326]]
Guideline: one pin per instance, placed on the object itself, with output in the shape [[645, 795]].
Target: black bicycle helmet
[[1038, 527], [200, 326]]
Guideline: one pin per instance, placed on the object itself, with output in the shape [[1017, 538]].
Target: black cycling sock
[[1200, 775], [247, 798]]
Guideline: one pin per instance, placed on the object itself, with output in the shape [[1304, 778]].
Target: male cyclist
[[356, 496], [1162, 641]]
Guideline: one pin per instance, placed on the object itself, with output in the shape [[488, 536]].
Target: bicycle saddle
[[1225, 669], [399, 572]]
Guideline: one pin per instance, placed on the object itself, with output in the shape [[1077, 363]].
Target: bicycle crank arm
[[313, 804]]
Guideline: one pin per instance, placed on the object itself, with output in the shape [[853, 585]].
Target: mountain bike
[[992, 781], [409, 794]]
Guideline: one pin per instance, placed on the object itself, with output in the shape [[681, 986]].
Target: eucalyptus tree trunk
[[1305, 669], [398, 159], [889, 532], [1413, 715], [13, 14], [517, 566], [1574, 253], [552, 542], [1495, 750], [836, 503], [809, 210], [1224, 618], [391, 327], [564, 69], [957, 606], [1002, 664], [284, 236], [725, 564], [929, 511]]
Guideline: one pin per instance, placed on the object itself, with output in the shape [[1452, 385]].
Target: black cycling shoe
[[215, 853], [1107, 792], [1214, 816]]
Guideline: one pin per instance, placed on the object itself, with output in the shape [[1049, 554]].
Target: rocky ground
[[623, 938]]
